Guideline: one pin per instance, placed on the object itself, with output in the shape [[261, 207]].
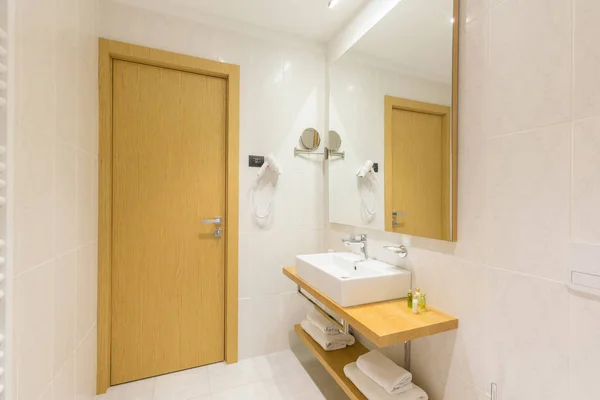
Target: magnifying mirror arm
[[331, 153], [298, 152], [327, 154]]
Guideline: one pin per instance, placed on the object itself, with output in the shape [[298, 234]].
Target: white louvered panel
[[6, 114]]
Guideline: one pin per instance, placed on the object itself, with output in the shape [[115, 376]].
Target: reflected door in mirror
[[418, 168]]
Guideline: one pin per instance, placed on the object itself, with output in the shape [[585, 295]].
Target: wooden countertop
[[385, 323]]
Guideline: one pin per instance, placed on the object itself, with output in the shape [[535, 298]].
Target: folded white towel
[[321, 322], [373, 391], [327, 342], [393, 378]]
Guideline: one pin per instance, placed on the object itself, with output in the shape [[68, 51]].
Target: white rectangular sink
[[349, 280]]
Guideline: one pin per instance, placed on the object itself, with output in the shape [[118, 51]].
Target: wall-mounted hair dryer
[[365, 169], [269, 164]]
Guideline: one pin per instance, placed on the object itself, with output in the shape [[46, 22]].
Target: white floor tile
[[313, 394], [140, 390], [294, 385], [254, 391], [277, 376], [227, 376], [184, 385], [277, 364]]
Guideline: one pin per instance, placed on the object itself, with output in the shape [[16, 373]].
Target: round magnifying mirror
[[310, 139], [335, 141]]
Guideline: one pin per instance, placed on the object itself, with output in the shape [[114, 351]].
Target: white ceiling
[[311, 19], [416, 36]]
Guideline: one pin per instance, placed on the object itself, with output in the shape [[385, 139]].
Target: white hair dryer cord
[[373, 179], [255, 207]]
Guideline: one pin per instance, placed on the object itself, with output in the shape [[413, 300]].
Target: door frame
[[110, 50]]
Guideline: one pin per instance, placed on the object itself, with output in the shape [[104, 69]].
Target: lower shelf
[[335, 361]]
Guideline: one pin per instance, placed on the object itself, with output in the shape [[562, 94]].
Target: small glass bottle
[[423, 302], [417, 292], [415, 304], [409, 299]]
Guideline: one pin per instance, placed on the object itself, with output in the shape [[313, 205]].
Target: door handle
[[216, 221], [395, 215]]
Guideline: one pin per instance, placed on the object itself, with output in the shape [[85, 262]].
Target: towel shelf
[[385, 323], [335, 361], [342, 326]]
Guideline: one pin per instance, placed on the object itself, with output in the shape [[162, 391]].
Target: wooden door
[[168, 173], [419, 169]]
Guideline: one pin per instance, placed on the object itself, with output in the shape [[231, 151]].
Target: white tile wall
[[528, 197], [528, 205], [586, 91], [64, 382], [65, 304], [585, 217], [529, 65], [584, 351], [55, 207], [34, 295], [282, 93]]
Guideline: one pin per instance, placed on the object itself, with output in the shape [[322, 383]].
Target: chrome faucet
[[358, 240]]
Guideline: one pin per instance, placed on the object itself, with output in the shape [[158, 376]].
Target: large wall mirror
[[393, 98]]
